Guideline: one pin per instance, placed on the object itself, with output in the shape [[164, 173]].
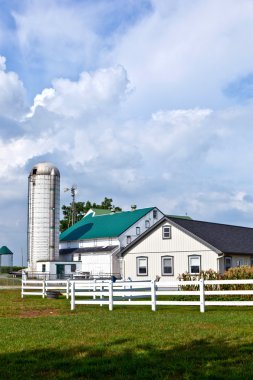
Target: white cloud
[[176, 142], [97, 92], [12, 94], [185, 53]]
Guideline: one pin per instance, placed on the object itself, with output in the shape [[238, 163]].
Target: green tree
[[81, 208]]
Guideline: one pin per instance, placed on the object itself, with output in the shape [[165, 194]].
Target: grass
[[43, 339]]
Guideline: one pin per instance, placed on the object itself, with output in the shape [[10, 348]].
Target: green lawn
[[43, 339]]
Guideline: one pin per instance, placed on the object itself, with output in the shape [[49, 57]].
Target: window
[[167, 266], [142, 266], [228, 262], [240, 262], [43, 267], [73, 267], [166, 232], [128, 239], [79, 257], [147, 224], [194, 264], [155, 214], [138, 230]]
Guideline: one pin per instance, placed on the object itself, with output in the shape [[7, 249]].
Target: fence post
[[94, 289], [110, 288], [153, 295], [202, 295], [22, 288], [101, 296], [72, 295], [43, 288], [67, 290]]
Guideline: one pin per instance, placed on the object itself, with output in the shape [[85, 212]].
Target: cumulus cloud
[[181, 140], [97, 92], [12, 94]]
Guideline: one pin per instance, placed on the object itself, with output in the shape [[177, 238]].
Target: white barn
[[175, 245], [96, 240]]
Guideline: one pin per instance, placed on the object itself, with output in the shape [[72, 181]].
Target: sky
[[147, 102]]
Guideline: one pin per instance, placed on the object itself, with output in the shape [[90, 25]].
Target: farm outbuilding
[[96, 240], [175, 245], [6, 257]]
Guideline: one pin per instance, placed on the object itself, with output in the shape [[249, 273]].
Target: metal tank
[[43, 214]]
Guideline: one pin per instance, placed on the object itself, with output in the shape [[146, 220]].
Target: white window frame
[[226, 266], [163, 258], [167, 233], [138, 230], [147, 223], [155, 214], [43, 268], [138, 272], [190, 266], [128, 239]]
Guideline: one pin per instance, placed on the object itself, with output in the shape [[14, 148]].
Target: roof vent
[[133, 207]]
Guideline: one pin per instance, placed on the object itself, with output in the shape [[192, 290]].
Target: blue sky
[[147, 102]]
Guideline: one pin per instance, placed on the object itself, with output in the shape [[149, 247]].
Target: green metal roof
[[99, 226], [101, 211], [5, 251]]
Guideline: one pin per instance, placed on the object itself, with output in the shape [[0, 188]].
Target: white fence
[[142, 293], [155, 293], [45, 287]]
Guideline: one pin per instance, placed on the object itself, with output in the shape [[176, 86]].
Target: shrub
[[239, 273], [235, 273]]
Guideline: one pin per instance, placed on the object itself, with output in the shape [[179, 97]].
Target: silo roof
[[5, 251], [45, 168]]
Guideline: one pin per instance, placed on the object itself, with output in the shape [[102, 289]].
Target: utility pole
[[73, 204]]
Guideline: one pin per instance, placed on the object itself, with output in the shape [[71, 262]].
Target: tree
[[81, 208]]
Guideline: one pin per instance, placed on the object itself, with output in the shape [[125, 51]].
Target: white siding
[[180, 246], [140, 223], [97, 264], [104, 242], [51, 267]]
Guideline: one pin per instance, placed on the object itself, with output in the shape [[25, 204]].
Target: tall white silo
[[43, 214]]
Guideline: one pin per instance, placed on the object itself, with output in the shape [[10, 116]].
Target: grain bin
[[43, 214]]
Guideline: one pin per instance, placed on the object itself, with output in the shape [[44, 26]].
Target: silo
[[43, 214], [6, 257]]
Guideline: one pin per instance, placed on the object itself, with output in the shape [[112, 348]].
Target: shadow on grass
[[197, 360]]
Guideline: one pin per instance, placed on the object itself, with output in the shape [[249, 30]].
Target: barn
[[179, 244], [97, 239]]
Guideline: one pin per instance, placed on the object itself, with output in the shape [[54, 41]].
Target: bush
[[239, 273], [236, 273]]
